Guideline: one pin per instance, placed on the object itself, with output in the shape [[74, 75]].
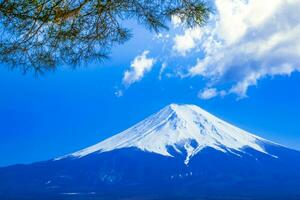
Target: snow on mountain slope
[[185, 128]]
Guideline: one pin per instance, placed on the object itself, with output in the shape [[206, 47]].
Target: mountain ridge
[[181, 152], [180, 127]]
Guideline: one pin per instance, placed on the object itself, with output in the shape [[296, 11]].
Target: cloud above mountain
[[139, 66], [183, 44], [246, 41], [243, 42]]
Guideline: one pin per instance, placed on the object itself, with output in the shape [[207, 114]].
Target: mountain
[[181, 152], [185, 129]]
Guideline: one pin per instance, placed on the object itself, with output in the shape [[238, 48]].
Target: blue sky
[[245, 72]]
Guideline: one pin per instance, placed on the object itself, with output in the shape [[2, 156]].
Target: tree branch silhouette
[[41, 35]]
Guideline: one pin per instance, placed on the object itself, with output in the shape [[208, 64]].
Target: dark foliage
[[41, 35]]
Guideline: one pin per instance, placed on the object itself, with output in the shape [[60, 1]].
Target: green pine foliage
[[40, 35]]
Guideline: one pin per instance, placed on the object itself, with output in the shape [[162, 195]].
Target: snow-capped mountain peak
[[183, 128]]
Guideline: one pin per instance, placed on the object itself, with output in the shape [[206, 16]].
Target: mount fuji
[[185, 129], [181, 152]]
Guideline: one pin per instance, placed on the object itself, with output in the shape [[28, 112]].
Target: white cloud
[[246, 40], [139, 66], [119, 93], [162, 70], [176, 21], [208, 93], [188, 40], [161, 37]]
